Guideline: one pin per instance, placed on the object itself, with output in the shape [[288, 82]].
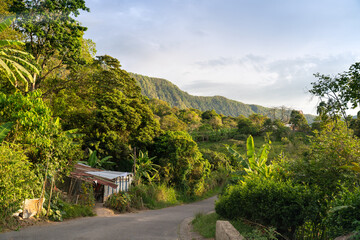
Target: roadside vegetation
[[60, 104]]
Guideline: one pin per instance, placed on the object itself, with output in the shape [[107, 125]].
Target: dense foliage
[[181, 161], [281, 204], [63, 104], [17, 180]]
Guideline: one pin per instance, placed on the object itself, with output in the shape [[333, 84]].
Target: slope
[[165, 90]]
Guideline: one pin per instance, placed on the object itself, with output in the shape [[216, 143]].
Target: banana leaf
[[4, 130]]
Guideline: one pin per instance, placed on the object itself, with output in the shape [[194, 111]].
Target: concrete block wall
[[226, 231]]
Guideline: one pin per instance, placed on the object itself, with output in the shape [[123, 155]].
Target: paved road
[[151, 224]]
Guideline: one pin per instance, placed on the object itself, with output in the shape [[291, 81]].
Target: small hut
[[105, 182]]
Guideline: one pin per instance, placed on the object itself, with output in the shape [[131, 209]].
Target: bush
[[344, 214], [17, 180], [280, 204], [61, 209], [119, 201], [216, 159], [322, 165], [152, 196], [77, 210]]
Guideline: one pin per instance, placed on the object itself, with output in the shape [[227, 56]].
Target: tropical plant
[[145, 168], [4, 130], [15, 63], [253, 163], [95, 162]]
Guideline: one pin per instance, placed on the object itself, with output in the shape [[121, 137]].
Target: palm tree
[[15, 63]]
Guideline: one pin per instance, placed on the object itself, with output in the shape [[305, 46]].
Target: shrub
[[77, 210], [322, 165], [216, 159], [17, 180], [280, 204], [152, 196], [344, 214], [61, 209], [119, 201]]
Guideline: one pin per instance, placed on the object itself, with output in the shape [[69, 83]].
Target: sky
[[261, 52]]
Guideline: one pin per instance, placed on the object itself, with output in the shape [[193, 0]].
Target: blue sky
[[255, 51]]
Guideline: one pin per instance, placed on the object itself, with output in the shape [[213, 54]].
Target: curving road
[[152, 224]]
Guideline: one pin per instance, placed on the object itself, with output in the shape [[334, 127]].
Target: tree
[[16, 64], [41, 135], [322, 165], [298, 121], [52, 36], [171, 122], [246, 126], [106, 104], [181, 161], [338, 92]]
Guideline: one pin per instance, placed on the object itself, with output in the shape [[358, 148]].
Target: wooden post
[[43, 190], [51, 189], [134, 161]]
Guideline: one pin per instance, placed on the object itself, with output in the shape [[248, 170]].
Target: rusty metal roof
[[84, 172]]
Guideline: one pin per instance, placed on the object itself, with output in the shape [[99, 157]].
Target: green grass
[[77, 210], [160, 196], [205, 225]]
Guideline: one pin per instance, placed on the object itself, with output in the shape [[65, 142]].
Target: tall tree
[[298, 121], [51, 34], [105, 103], [339, 93]]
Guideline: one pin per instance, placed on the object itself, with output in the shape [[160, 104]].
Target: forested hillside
[[164, 90]]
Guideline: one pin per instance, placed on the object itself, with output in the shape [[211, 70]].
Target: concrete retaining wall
[[226, 231]]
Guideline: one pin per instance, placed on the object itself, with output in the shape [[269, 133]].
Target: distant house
[[105, 182]]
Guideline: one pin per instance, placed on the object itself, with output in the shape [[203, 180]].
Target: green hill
[[164, 90]]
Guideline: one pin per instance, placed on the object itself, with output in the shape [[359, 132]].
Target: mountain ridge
[[167, 91]]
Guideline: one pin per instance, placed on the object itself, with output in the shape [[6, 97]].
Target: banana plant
[[4, 130], [145, 168], [253, 163], [95, 162]]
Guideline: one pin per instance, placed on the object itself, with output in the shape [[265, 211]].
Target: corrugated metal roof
[[83, 172], [109, 174]]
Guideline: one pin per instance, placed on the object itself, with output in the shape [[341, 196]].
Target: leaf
[[7, 43], [4, 130], [92, 161], [6, 23], [250, 147], [8, 72], [264, 154]]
